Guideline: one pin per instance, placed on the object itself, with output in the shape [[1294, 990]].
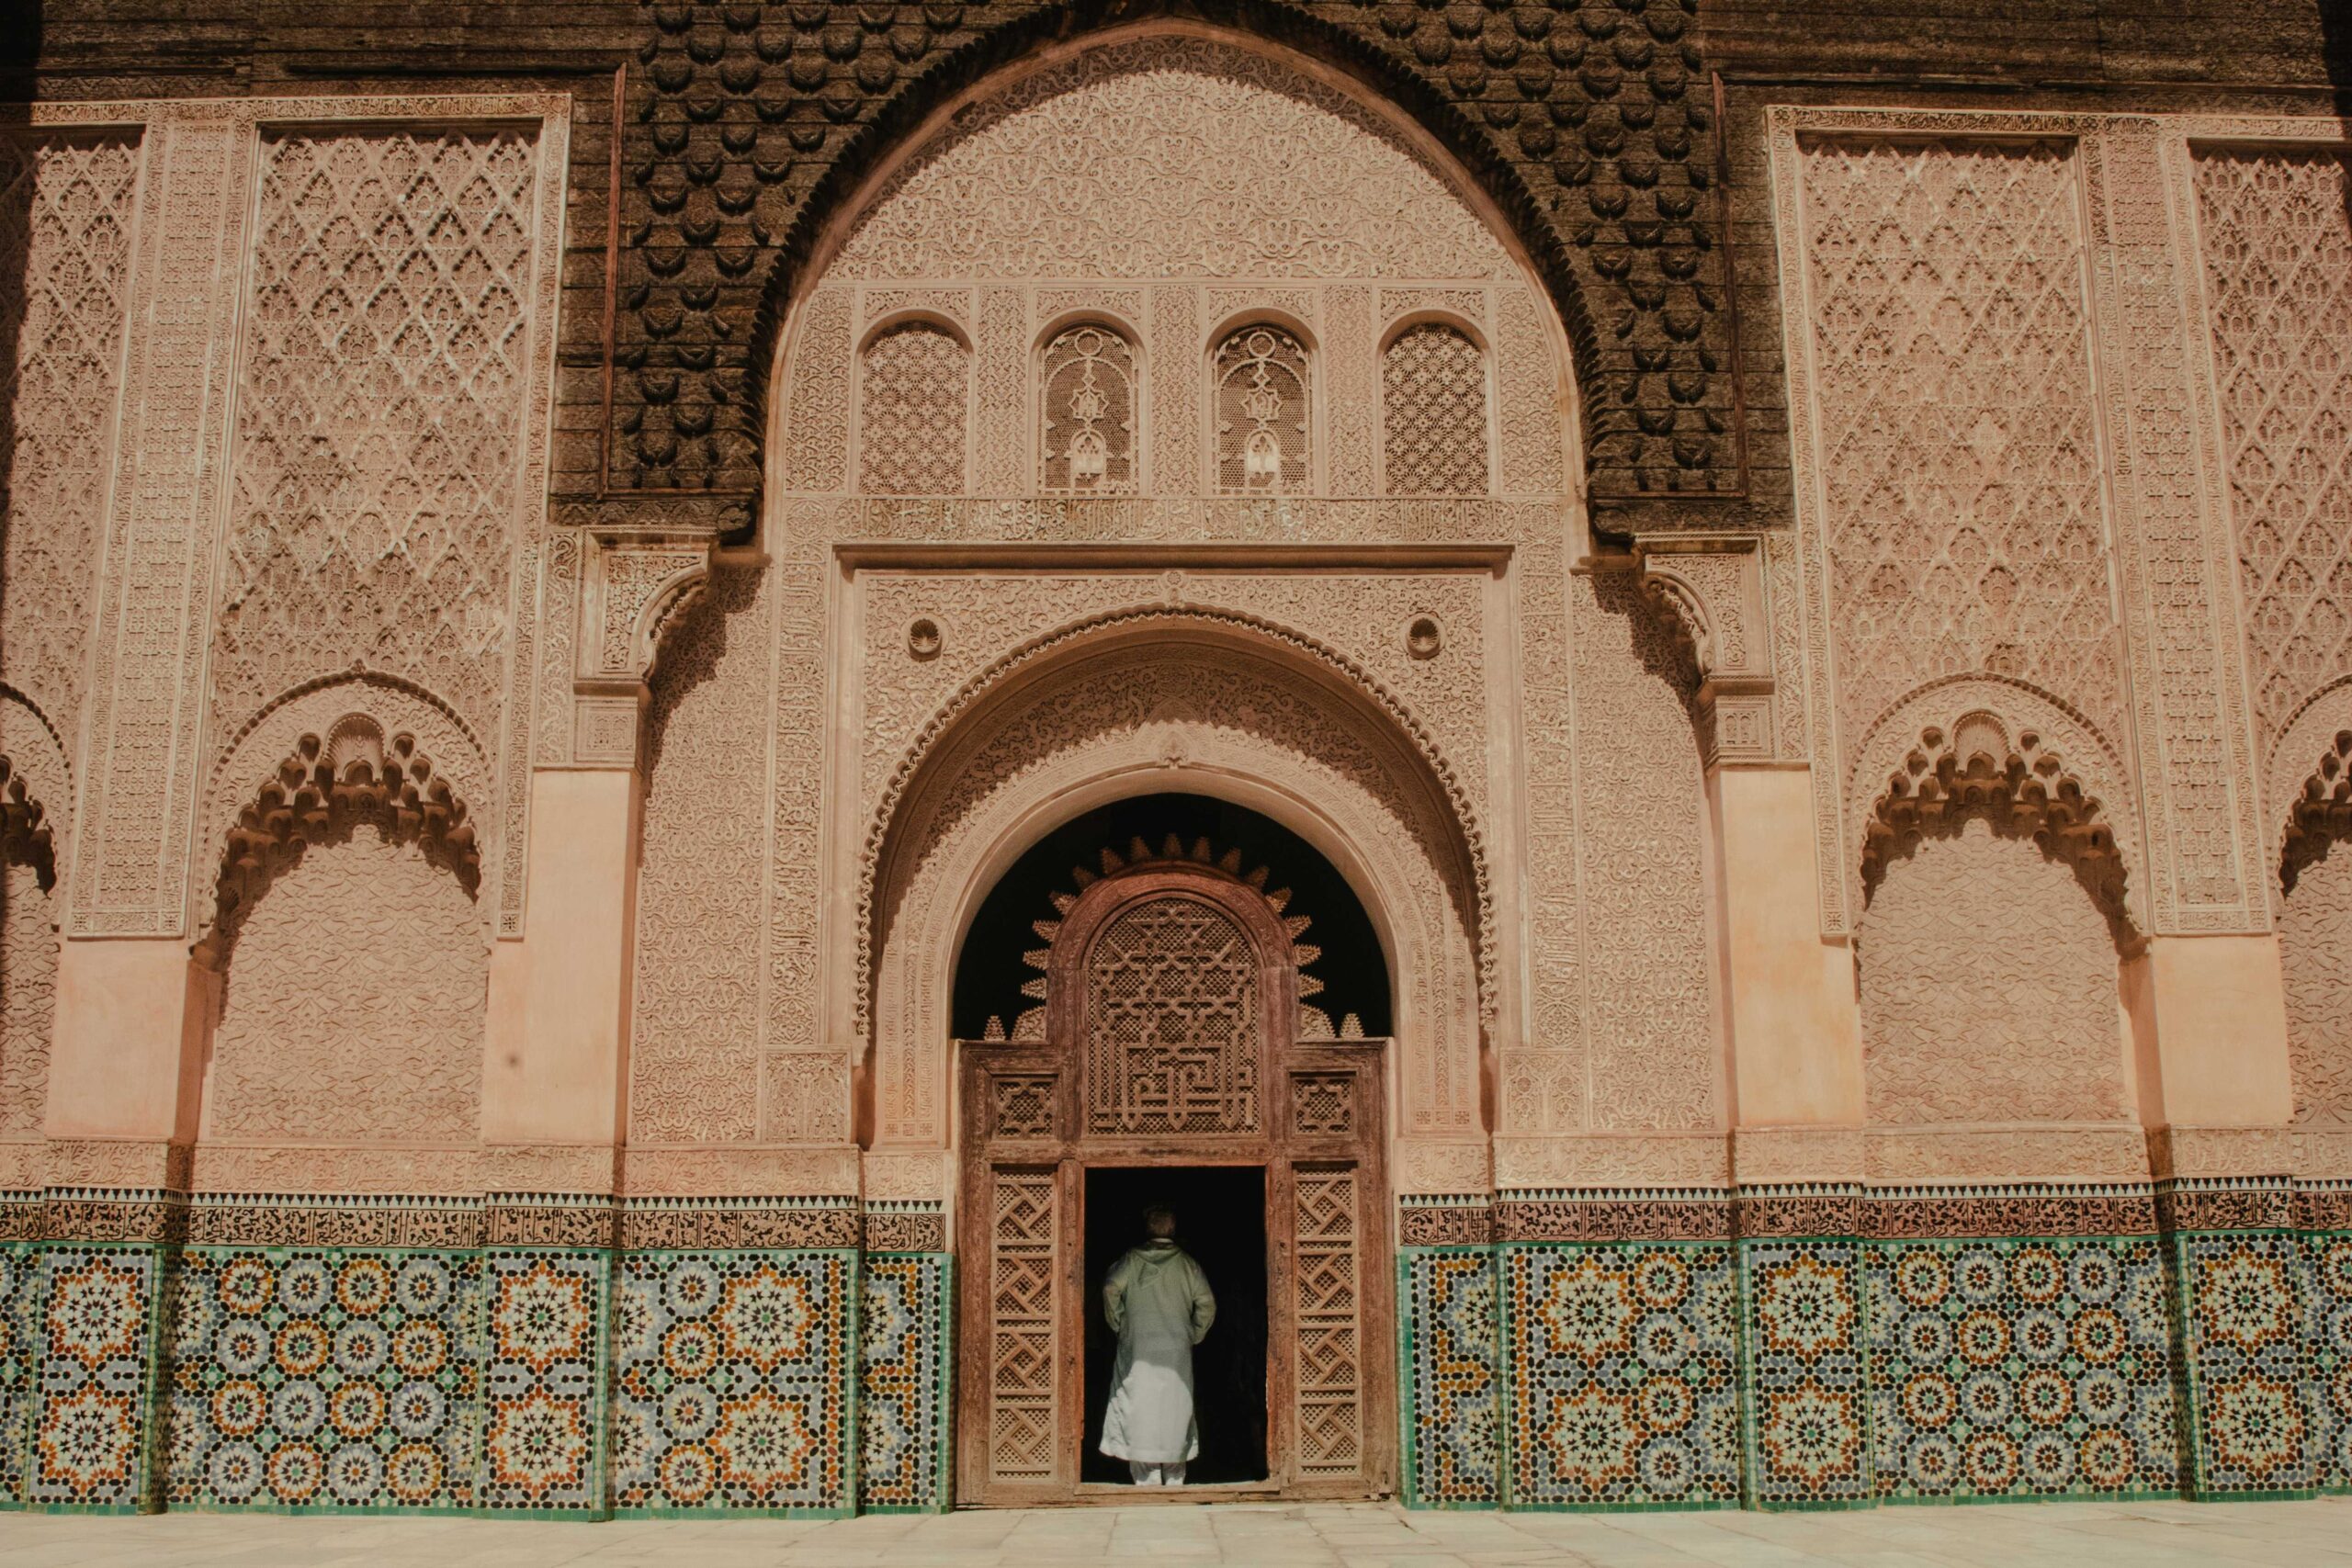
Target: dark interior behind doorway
[[1221, 1221]]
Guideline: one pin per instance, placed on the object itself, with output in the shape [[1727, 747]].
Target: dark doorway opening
[[1221, 1221]]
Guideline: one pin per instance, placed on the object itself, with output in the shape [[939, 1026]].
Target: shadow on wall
[[2336, 49], [20, 34]]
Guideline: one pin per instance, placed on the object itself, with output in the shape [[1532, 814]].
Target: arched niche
[[348, 950], [1185, 704]]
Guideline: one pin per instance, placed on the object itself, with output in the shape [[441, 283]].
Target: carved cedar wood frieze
[[745, 128]]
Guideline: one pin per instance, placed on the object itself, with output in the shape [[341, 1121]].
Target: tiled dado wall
[[1939, 1350], [502, 1377]]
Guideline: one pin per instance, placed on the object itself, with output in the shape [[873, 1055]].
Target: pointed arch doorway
[[1166, 1048]]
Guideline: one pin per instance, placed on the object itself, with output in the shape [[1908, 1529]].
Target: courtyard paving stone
[[2050, 1535]]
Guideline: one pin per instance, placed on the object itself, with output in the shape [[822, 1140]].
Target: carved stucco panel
[[1652, 1046], [694, 1052], [1548, 1092], [68, 210], [1352, 393], [1879, 756], [163, 518], [254, 756], [2186, 717], [144, 707], [2191, 749], [816, 444], [1224, 162], [981, 618], [1001, 436], [375, 507], [1162, 711], [1527, 378], [1172, 439], [27, 996], [2276, 242], [1987, 980], [2315, 952], [352, 1002]]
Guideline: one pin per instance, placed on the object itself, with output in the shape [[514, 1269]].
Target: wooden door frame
[[1069, 1150]]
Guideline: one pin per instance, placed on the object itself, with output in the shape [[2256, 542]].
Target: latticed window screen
[[1088, 444], [1261, 414], [1171, 1021], [911, 408], [1433, 412]]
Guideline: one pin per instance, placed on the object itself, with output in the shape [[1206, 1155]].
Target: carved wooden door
[[1169, 1038]]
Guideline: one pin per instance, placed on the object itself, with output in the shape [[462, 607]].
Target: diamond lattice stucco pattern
[[1959, 443], [66, 222], [380, 415], [2278, 243]]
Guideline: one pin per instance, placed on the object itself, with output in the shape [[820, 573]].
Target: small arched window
[[912, 402], [1087, 443], [1433, 412], [1261, 414]]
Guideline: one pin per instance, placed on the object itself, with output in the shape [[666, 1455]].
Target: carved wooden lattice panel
[[1024, 1425], [1171, 1027], [1023, 1106], [1330, 1380], [1323, 1104]]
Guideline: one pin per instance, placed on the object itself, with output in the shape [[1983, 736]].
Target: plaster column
[[126, 1060], [556, 1078], [2209, 1034], [1794, 1019]]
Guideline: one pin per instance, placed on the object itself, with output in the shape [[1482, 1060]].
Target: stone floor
[[2048, 1535]]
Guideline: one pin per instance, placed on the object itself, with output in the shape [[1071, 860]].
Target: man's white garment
[[1157, 1302]]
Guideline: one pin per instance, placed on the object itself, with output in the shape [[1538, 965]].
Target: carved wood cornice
[[1578, 123]]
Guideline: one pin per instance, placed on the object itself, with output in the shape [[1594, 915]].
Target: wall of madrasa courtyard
[[550, 566]]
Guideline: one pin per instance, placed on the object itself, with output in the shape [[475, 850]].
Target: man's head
[[1161, 1220]]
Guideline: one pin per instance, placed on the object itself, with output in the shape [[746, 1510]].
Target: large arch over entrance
[[1178, 704]]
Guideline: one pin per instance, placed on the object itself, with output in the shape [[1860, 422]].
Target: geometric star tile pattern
[[324, 1380], [2255, 1413], [903, 1392], [1624, 1365], [93, 1394], [1453, 1422], [2020, 1368], [1808, 1429], [543, 1380], [730, 1381]]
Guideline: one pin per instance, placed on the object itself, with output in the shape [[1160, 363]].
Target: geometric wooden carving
[[1171, 1027], [1328, 1324], [1023, 1264]]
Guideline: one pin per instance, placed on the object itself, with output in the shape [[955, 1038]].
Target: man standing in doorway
[[1158, 1302]]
